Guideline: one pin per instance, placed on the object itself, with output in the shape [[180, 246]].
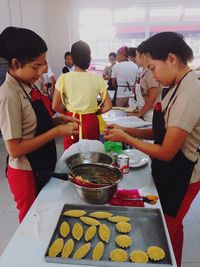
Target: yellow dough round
[[56, 247], [77, 231], [104, 232], [123, 227], [98, 251], [74, 213], [100, 214], [118, 254], [155, 253], [123, 241], [68, 248], [90, 233], [64, 229], [89, 221], [117, 219], [82, 251], [138, 256]]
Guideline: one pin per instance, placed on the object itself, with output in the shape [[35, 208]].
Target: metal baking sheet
[[147, 230]]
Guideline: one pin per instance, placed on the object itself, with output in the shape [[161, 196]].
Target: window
[[107, 29]]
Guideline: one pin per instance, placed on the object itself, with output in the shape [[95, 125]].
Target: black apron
[[115, 94], [44, 158], [171, 178]]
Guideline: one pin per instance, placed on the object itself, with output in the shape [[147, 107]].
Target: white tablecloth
[[29, 243], [120, 117]]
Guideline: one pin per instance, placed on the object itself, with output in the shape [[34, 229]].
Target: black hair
[[132, 51], [112, 54], [141, 48], [81, 54], [127, 51], [67, 54], [23, 44], [161, 44]]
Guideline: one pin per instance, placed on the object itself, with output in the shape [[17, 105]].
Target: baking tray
[[147, 230]]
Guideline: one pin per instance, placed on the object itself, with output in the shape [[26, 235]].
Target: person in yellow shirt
[[77, 91]]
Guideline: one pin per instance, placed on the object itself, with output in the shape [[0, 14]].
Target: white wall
[[49, 18], [59, 28], [57, 20], [5, 17]]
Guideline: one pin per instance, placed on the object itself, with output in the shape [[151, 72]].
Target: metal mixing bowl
[[98, 195], [88, 157]]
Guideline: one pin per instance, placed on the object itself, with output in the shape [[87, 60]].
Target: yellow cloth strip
[[80, 127], [73, 115]]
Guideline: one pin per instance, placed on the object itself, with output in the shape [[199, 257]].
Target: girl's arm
[[149, 101], [62, 119], [20, 147], [146, 134], [57, 102], [106, 74], [173, 141], [107, 104]]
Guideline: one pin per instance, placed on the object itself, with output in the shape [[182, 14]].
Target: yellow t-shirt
[[79, 91]]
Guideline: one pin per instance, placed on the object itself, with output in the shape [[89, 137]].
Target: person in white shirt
[[49, 80], [123, 77]]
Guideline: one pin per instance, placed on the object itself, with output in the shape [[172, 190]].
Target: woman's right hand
[[67, 130], [115, 135], [114, 126]]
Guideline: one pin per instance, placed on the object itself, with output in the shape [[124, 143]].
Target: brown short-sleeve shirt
[[184, 113], [17, 117]]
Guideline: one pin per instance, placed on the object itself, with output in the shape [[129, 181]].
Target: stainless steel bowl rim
[[103, 187], [89, 152]]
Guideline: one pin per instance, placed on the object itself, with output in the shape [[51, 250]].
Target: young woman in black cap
[[26, 125]]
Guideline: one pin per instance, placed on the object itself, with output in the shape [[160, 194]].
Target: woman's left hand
[[66, 119], [115, 135]]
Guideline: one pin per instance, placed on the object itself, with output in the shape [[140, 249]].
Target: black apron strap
[[115, 97], [174, 93], [115, 94]]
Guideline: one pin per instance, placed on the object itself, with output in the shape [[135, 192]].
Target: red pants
[[175, 224], [22, 185], [90, 129]]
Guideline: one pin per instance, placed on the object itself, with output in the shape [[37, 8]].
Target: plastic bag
[[113, 146], [82, 146]]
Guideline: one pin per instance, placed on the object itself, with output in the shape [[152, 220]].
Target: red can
[[123, 163], [114, 157]]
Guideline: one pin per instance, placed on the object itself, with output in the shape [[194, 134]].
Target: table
[[27, 249]]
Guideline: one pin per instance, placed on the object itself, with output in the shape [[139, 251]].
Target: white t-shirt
[[48, 75], [125, 73]]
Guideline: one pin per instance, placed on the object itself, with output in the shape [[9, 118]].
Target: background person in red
[[26, 125], [176, 131]]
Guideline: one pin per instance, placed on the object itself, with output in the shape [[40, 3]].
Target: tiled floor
[[9, 220]]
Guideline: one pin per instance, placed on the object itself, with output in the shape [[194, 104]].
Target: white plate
[[136, 158]]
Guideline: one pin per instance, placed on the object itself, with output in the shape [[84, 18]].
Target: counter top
[[29, 243]]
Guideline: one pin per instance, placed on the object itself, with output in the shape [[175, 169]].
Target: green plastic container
[[113, 146]]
